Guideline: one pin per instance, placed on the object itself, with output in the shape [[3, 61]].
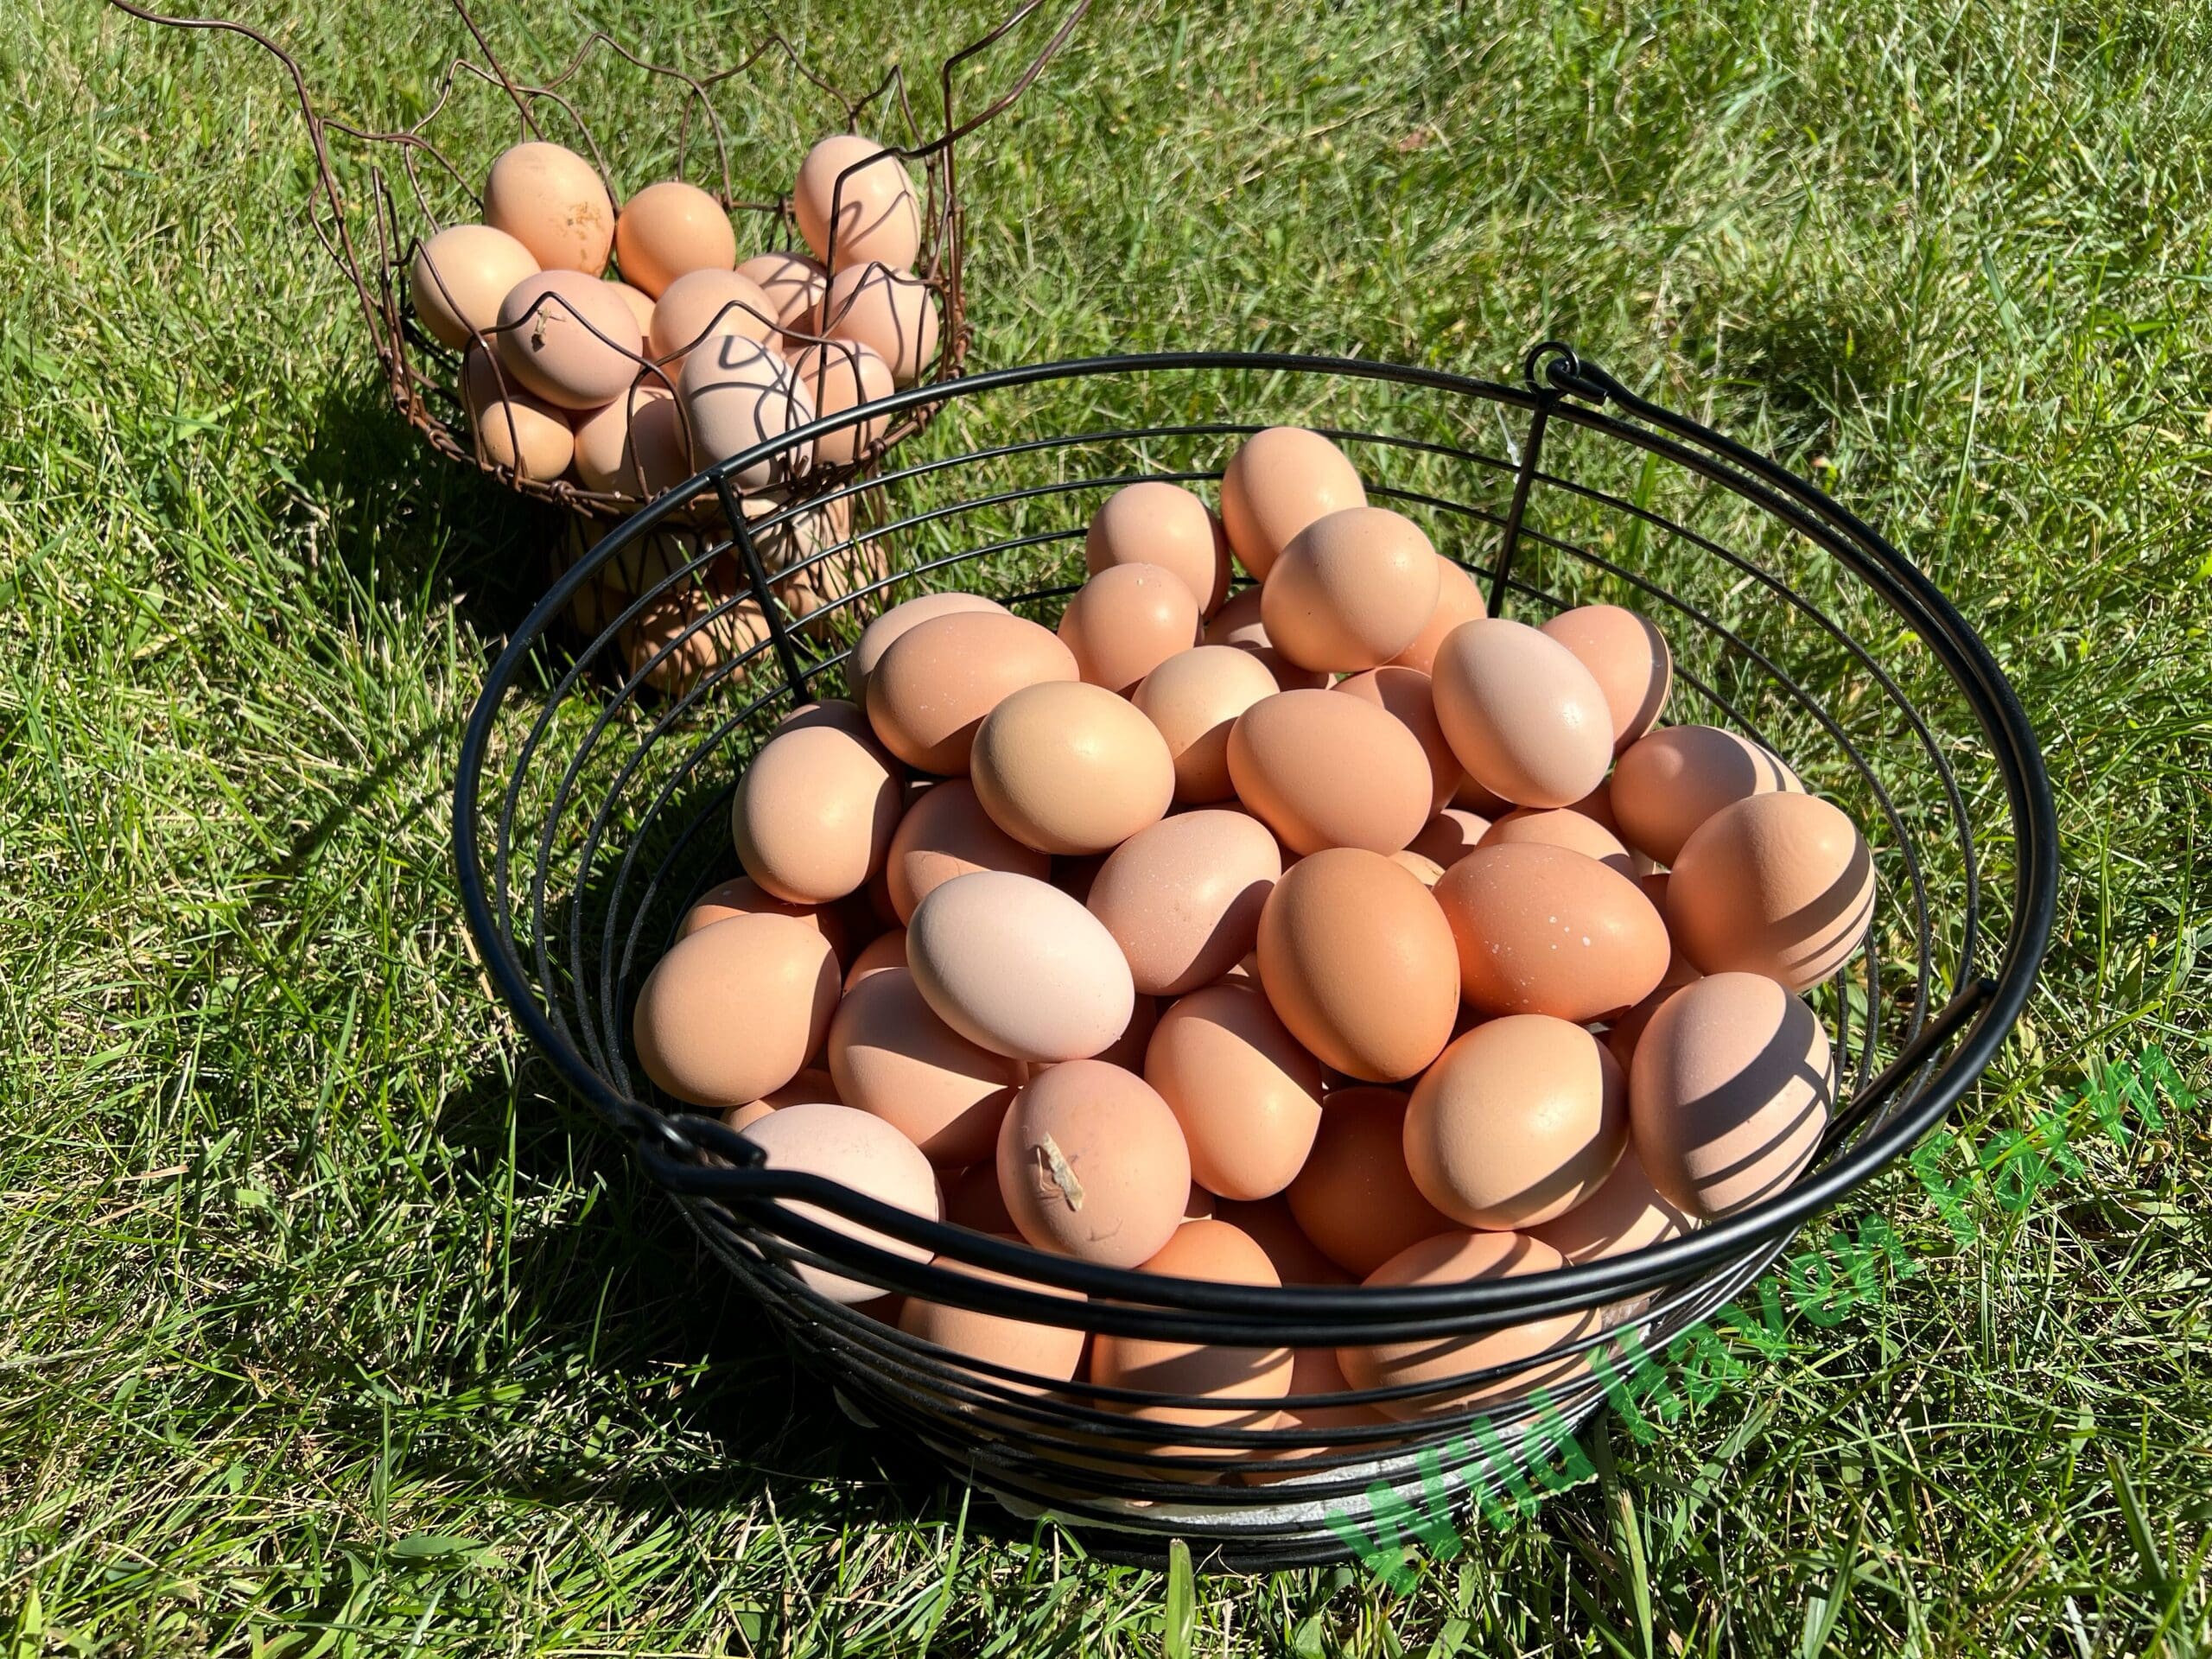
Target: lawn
[[328, 1325]]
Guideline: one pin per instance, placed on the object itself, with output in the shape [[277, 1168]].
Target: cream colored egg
[[460, 275], [1019, 966], [857, 1151]]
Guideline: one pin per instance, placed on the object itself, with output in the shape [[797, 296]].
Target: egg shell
[[1269, 1223], [1458, 599], [1445, 1363], [1237, 623], [813, 1085], [839, 375], [641, 307], [706, 305], [1526, 719], [1070, 768], [1315, 1374], [552, 201], [1248, 1097], [1154, 522], [972, 1199], [1019, 966], [1183, 898], [1322, 771], [1522, 1119], [876, 637], [1194, 698], [670, 229], [1561, 826], [512, 427], [1671, 782], [946, 833], [1427, 870], [890, 1055], [1127, 620], [639, 444], [1198, 1206], [1354, 1199], [459, 276], [889, 311], [1406, 693], [682, 636], [734, 1011], [1046, 1353], [885, 951], [1279, 481], [1627, 655], [794, 282], [1729, 1093], [1092, 1164], [1450, 835], [837, 714], [1350, 590], [741, 394], [930, 689], [742, 896], [1358, 961], [858, 1151], [855, 202], [1626, 1213], [1779, 885], [569, 339], [1541, 929], [814, 814]]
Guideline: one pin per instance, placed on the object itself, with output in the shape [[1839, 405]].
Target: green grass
[[328, 1325]]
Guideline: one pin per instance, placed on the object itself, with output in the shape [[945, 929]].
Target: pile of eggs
[[1333, 932]]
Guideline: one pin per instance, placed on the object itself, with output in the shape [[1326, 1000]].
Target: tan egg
[[890, 1055], [1627, 655], [1522, 1119], [812, 1085], [1127, 620], [637, 445], [972, 1199], [1524, 716], [1350, 590], [669, 230], [1626, 1213], [946, 833], [742, 896], [1019, 966], [1092, 1164], [1446, 1364], [550, 200], [1561, 826], [794, 282], [1278, 482], [1670, 782], [1450, 835], [460, 275], [1237, 623], [1729, 1094], [855, 202], [1458, 599], [741, 394], [1315, 1373], [888, 310], [1779, 885], [1406, 693], [839, 375], [814, 814], [1324, 771], [1070, 768], [1354, 1199], [514, 428], [569, 338], [1155, 522], [1269, 1223], [1541, 929], [876, 637], [857, 1151], [1248, 1097], [1426, 870], [884, 951], [1358, 961], [735, 1010], [1127, 1051], [1183, 898], [1048, 1353], [681, 638], [1194, 698], [929, 691], [703, 306], [1623, 1031], [641, 308]]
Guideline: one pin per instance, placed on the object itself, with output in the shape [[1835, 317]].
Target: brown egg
[[890, 1055], [550, 200], [1427, 870], [639, 444], [1541, 929], [812, 1085], [1626, 1213], [1358, 961], [1354, 1199], [946, 833], [1194, 698], [1450, 835], [876, 637], [741, 394], [735, 1010], [839, 375], [1092, 1165], [1673, 780], [972, 1199], [681, 637], [1627, 655], [460, 275], [858, 1151], [1458, 599], [1048, 1353], [1237, 623], [1183, 898], [888, 309], [814, 814], [1522, 1119], [1127, 620], [1324, 771], [742, 896], [1459, 1258], [855, 202], [1269, 1223], [1314, 1372], [1729, 1093], [569, 338], [1561, 826], [1405, 693], [707, 305], [1278, 482], [885, 950], [1350, 590], [793, 282], [929, 690], [1779, 885], [1155, 522], [1070, 768], [641, 309], [1248, 1097], [1524, 716], [514, 428], [670, 229], [1019, 966]]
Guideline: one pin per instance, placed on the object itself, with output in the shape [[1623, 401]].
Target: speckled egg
[[1541, 929], [552, 200]]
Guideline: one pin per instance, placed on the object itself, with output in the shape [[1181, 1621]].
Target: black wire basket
[[588, 820]]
